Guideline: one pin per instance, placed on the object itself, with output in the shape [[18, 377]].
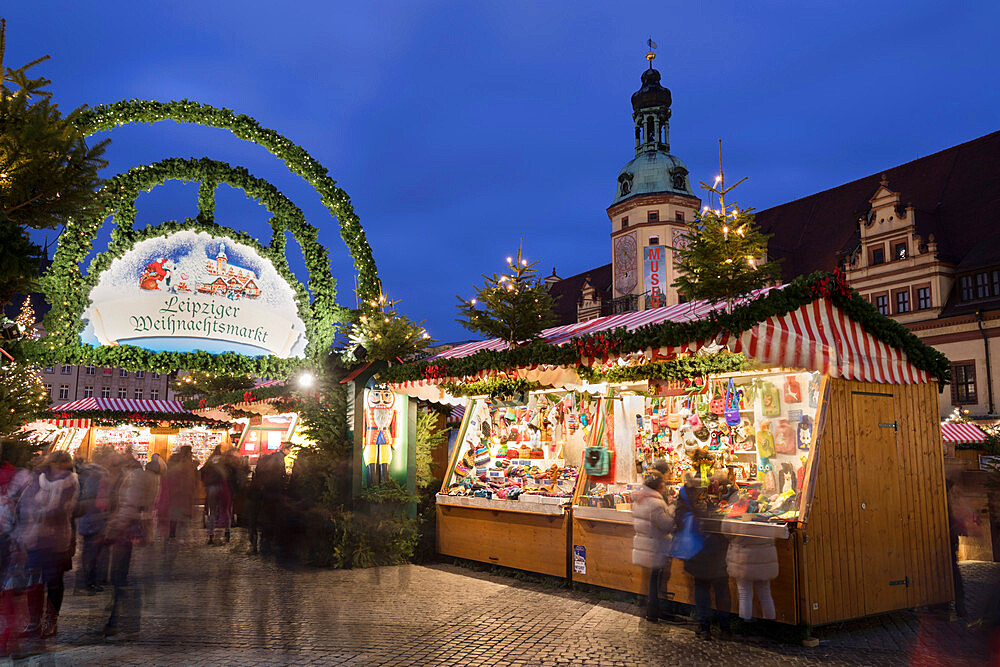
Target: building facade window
[[138, 395], [625, 222], [63, 392], [963, 383], [65, 370], [122, 392], [91, 370], [902, 300], [654, 240], [968, 294], [652, 216], [882, 303], [88, 392], [923, 298], [154, 394], [122, 373], [899, 250], [140, 374], [105, 392], [876, 255], [679, 216], [982, 285], [50, 369], [155, 376]]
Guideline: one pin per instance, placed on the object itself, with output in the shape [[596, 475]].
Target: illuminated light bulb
[[509, 260], [718, 178], [524, 262], [705, 209], [473, 302], [728, 261]]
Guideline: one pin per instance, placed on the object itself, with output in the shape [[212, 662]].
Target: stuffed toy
[[804, 433]]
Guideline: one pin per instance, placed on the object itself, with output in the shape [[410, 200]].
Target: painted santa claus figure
[[155, 273]]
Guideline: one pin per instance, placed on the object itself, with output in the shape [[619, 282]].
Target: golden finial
[[651, 54]]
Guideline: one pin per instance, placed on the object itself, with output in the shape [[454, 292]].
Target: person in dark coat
[[264, 498], [218, 500], [707, 567], [91, 519]]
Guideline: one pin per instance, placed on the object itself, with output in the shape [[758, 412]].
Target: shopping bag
[[596, 461], [688, 540]]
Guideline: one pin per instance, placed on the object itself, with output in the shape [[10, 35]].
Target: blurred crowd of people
[[106, 507]]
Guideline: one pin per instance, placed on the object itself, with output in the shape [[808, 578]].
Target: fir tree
[[47, 171], [724, 257], [386, 334], [515, 307]]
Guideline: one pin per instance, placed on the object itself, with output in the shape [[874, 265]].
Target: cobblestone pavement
[[214, 606]]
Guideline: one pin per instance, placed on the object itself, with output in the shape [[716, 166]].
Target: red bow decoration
[[248, 397]]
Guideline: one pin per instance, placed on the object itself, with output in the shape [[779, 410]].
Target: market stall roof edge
[[815, 323]]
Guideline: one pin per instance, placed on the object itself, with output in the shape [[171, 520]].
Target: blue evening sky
[[460, 128]]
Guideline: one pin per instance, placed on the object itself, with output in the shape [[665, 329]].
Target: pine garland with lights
[[776, 303], [296, 158], [681, 368], [385, 334], [500, 388], [515, 307], [67, 289]]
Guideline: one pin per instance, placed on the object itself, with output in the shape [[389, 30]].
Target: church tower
[[221, 260], [652, 202]]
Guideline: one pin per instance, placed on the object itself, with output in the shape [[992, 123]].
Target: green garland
[[296, 158], [234, 397], [68, 291], [497, 388], [676, 369], [776, 303]]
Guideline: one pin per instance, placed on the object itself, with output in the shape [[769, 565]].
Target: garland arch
[[296, 158], [68, 290]]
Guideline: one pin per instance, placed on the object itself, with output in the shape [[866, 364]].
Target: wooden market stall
[[147, 426], [834, 438]]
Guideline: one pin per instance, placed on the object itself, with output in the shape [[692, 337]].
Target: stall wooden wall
[[609, 554], [522, 540], [877, 533]]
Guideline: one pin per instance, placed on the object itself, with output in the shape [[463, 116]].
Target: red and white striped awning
[[962, 433], [818, 336], [122, 405], [68, 423]]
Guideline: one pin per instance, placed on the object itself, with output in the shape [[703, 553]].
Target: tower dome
[[653, 170]]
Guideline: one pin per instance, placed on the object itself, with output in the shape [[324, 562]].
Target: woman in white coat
[[654, 522], [752, 563]]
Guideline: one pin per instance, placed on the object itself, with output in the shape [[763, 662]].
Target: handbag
[[688, 541], [732, 410], [596, 461]]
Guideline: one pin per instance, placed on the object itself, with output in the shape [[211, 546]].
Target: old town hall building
[[920, 240]]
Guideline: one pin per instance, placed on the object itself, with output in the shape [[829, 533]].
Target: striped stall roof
[[121, 404], [817, 336], [68, 423], [962, 433]]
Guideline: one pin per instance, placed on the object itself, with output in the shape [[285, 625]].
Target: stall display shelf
[[536, 504]]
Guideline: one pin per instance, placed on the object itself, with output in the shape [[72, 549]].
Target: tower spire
[[651, 54]]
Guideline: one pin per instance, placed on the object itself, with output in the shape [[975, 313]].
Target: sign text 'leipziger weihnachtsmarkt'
[[191, 291]]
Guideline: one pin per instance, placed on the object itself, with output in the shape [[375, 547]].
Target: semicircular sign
[[191, 290]]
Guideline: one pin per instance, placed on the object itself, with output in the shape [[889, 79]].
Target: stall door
[[883, 563]]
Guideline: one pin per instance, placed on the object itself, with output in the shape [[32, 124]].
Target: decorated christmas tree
[[725, 254], [514, 307], [22, 395], [26, 320], [385, 335]]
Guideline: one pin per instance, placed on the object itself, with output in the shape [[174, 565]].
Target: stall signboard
[[384, 452], [655, 263], [189, 291]]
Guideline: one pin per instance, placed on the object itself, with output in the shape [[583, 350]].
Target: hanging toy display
[[804, 433], [784, 437], [793, 391]]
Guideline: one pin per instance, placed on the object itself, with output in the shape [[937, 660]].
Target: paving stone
[[217, 606]]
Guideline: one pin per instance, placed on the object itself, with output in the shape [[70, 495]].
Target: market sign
[[655, 263], [191, 290]]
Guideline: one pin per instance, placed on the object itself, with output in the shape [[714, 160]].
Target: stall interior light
[[306, 379]]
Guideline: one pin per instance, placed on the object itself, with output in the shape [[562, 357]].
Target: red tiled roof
[[955, 193]]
